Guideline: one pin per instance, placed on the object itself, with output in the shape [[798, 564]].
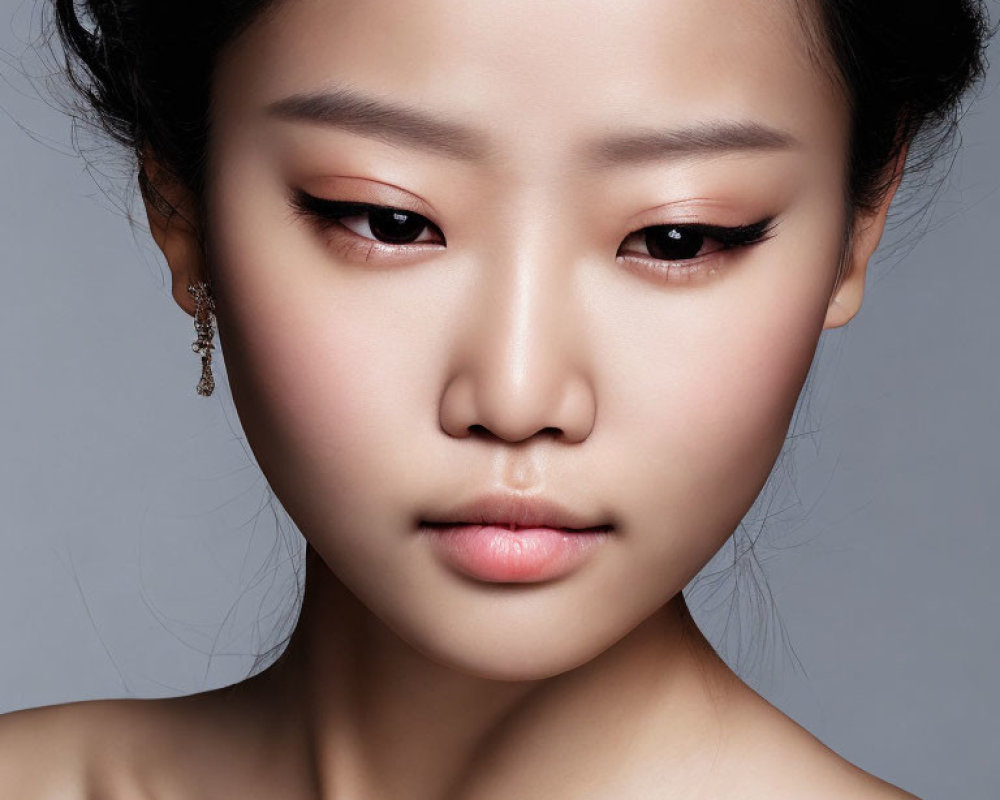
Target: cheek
[[714, 397], [316, 360], [328, 396]]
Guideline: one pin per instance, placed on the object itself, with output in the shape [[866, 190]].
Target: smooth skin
[[526, 342]]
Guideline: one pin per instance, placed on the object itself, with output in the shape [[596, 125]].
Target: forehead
[[538, 74]]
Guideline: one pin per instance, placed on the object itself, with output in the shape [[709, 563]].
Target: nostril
[[478, 430]]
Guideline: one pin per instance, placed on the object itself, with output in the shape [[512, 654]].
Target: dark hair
[[143, 68], [904, 69]]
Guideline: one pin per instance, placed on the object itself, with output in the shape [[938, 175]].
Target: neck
[[378, 718]]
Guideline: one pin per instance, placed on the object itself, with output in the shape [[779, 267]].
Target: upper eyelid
[[309, 205], [754, 231], [309, 202]]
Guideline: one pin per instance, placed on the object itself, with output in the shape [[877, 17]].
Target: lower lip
[[501, 555]]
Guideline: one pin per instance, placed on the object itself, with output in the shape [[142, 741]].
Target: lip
[[505, 510], [509, 539]]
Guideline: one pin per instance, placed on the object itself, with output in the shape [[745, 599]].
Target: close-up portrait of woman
[[475, 400]]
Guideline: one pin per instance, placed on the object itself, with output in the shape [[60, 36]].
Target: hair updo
[[143, 69]]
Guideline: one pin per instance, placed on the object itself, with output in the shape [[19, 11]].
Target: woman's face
[[524, 328]]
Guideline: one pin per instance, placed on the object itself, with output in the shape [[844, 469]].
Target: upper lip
[[516, 511]]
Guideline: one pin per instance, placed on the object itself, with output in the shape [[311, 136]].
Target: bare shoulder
[[43, 753], [86, 750], [784, 760], [194, 747], [37, 759]]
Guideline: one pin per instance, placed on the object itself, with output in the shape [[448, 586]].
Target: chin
[[514, 660], [512, 641]]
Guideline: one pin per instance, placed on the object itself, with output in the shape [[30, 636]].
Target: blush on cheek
[[305, 422], [311, 389], [748, 425], [724, 416]]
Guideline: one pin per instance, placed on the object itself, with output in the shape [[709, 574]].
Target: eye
[[378, 224], [388, 225], [690, 246]]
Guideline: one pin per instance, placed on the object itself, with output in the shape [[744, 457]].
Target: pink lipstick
[[508, 539]]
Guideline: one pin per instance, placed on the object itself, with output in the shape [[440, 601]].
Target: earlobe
[[838, 313], [173, 224], [850, 291]]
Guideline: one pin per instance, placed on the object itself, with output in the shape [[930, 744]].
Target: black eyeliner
[[331, 210], [733, 236]]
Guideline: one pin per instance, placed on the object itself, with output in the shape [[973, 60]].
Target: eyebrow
[[368, 116], [714, 137]]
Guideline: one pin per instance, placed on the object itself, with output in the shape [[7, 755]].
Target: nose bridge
[[521, 344], [522, 368]]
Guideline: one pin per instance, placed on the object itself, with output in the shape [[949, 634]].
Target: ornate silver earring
[[204, 325]]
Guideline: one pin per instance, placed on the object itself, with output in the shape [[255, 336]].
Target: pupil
[[673, 244], [394, 226]]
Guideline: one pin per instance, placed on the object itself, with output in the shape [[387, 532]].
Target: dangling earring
[[204, 319]]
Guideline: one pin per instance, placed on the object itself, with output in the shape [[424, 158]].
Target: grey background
[[139, 555]]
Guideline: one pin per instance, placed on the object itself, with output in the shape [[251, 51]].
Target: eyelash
[[329, 213]]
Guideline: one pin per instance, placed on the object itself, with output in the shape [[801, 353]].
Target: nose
[[520, 360]]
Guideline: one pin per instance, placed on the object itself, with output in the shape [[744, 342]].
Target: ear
[[174, 221], [866, 233]]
